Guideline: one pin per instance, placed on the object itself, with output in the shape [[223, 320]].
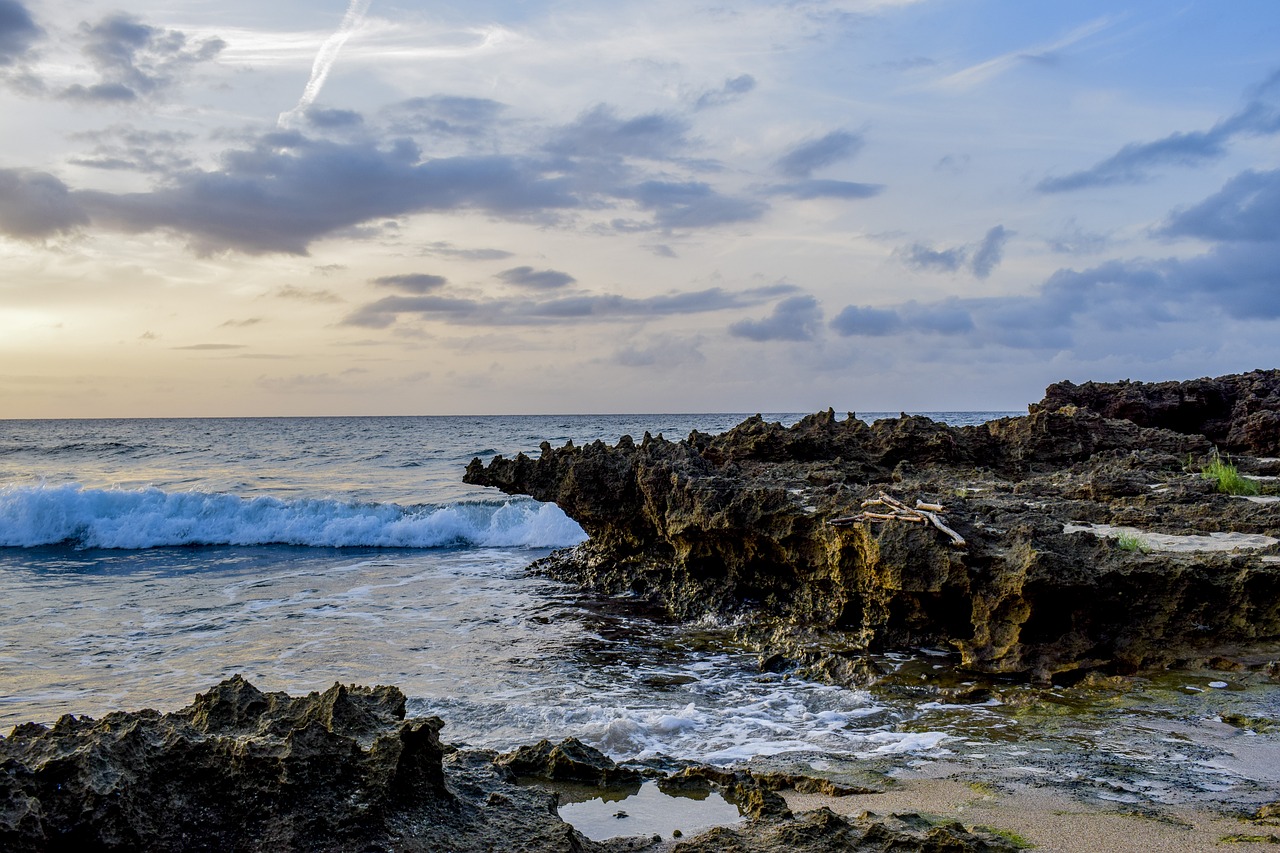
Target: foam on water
[[31, 516]]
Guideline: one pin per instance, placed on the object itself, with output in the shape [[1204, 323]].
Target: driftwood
[[922, 513]]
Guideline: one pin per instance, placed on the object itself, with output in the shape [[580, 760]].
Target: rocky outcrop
[[571, 760], [1239, 414], [342, 770], [764, 524]]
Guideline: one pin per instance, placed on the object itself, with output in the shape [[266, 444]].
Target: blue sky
[[373, 208]]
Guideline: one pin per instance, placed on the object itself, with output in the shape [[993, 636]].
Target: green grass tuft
[[1132, 542], [1018, 841], [1230, 482]]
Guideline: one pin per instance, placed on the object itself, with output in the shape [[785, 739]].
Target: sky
[[347, 207]]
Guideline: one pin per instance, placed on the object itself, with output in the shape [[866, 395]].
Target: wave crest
[[151, 518]]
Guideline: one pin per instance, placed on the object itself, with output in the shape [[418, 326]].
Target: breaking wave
[[69, 514]]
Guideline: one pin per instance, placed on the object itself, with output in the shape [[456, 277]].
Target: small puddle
[[649, 812]]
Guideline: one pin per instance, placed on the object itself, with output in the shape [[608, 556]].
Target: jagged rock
[[240, 769], [571, 760], [740, 524], [1240, 414]]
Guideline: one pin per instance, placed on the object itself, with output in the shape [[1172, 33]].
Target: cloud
[[288, 191], [35, 205], [125, 148], [539, 279], [136, 61], [211, 347], [1043, 54], [662, 351], [918, 256], [412, 283], [302, 294], [1133, 163], [1106, 304], [18, 32], [1246, 208], [980, 258], [989, 252], [816, 188], [448, 250], [448, 115], [600, 134], [1074, 240], [326, 56], [332, 119], [807, 157], [797, 318], [692, 204], [733, 89], [948, 317], [586, 307]]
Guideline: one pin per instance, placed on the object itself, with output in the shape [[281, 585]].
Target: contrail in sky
[[327, 55]]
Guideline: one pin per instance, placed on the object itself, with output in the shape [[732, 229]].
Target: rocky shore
[[1082, 541], [344, 770], [1083, 536]]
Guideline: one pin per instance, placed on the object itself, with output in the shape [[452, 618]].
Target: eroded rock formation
[[749, 524]]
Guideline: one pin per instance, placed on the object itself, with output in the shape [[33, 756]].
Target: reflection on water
[[649, 811]]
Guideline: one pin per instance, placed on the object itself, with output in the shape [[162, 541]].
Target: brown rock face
[[742, 524]]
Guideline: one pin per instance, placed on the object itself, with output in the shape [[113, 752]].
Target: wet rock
[[763, 524], [571, 760]]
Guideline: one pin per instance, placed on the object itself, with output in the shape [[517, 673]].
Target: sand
[[1053, 820]]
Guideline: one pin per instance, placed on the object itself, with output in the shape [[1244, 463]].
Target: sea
[[144, 560]]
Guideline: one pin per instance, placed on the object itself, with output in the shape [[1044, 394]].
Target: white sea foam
[[149, 518]]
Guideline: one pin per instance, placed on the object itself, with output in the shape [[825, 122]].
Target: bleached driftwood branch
[[923, 513]]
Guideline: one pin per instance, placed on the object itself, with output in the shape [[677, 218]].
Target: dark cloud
[[1247, 208], [1133, 163], [733, 89], [448, 250], [948, 317], [289, 190], [918, 256], [413, 282], [125, 148], [136, 61], [989, 252], [980, 259], [35, 205], [600, 134], [797, 318], [448, 115], [691, 204], [807, 157], [865, 321], [240, 324], [816, 188], [539, 279], [332, 119], [565, 309], [18, 32]]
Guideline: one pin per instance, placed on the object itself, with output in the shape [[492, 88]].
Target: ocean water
[[142, 561]]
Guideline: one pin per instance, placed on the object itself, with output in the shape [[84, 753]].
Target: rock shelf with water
[[765, 525], [345, 770]]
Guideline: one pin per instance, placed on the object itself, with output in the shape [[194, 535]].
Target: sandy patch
[[1053, 821], [1189, 543]]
